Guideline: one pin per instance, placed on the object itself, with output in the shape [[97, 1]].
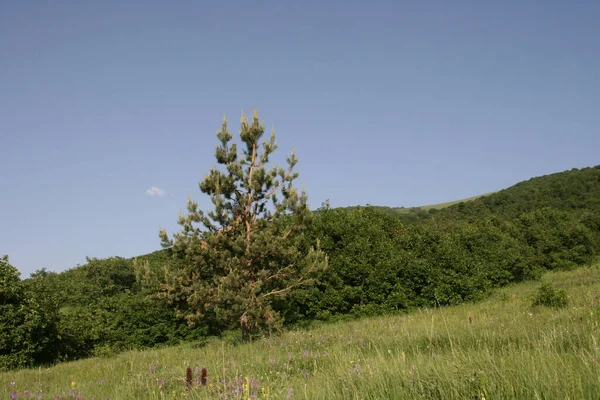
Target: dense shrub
[[27, 324], [99, 308], [549, 296]]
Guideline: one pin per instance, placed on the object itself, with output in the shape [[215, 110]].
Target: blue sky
[[386, 102]]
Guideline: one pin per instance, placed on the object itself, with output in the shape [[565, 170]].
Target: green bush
[[549, 296], [27, 325]]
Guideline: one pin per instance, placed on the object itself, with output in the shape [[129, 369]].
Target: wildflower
[[73, 385], [203, 376], [14, 396], [188, 378]]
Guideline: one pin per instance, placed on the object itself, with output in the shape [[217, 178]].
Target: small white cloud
[[155, 191]]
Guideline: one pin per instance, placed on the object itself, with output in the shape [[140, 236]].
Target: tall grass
[[502, 348]]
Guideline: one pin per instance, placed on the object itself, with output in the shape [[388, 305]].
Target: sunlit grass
[[501, 348]]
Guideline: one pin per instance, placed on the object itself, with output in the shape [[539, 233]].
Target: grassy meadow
[[500, 348]]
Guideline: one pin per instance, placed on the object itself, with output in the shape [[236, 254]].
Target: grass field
[[501, 348], [438, 206]]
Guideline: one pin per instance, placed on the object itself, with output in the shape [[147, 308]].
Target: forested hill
[[576, 189], [381, 260]]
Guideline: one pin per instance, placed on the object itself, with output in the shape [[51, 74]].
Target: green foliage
[[247, 253], [27, 322], [121, 322], [361, 244], [377, 265], [549, 296], [98, 308], [383, 259]]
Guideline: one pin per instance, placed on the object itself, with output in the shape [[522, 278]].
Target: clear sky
[[391, 103]]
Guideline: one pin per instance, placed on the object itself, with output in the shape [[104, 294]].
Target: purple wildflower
[[203, 376], [14, 396], [188, 378]]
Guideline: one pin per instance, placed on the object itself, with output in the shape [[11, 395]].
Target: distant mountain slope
[[446, 204], [572, 190], [418, 209]]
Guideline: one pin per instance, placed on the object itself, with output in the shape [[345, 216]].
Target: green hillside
[[572, 190], [500, 348], [439, 206], [381, 262], [575, 189]]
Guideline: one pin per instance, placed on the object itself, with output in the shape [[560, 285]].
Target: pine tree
[[247, 251]]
